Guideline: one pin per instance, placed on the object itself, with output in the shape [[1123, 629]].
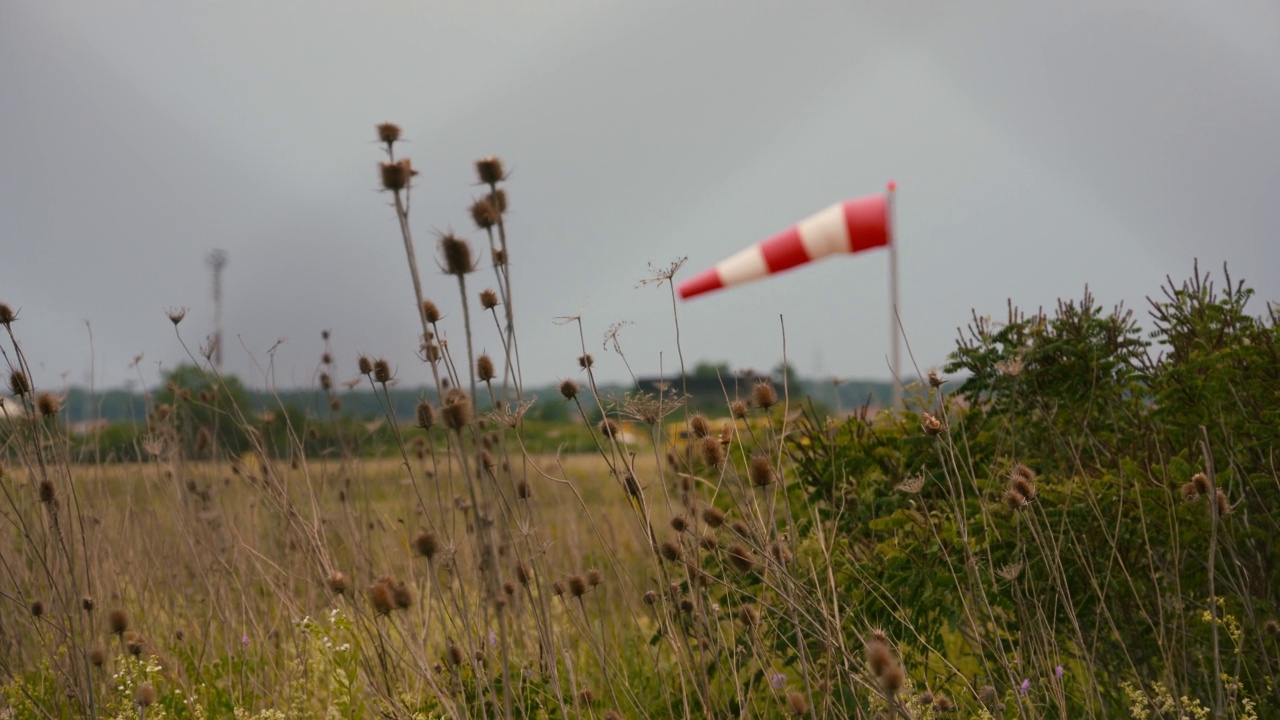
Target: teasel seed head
[[943, 705], [761, 470], [484, 369], [97, 656], [488, 299], [934, 380], [433, 353], [48, 494], [19, 385], [987, 696], [489, 170], [426, 415], [37, 608], [586, 361], [763, 394], [1201, 483], [365, 364], [87, 604], [430, 312], [931, 424], [382, 371], [713, 517], [1271, 627], [679, 523], [7, 315], [402, 595], [577, 586], [499, 257], [738, 409], [699, 426], [457, 410], [569, 389], [1014, 499], [134, 643], [388, 133], [118, 621], [595, 577], [397, 175], [796, 704], [609, 428], [326, 382], [1023, 487], [741, 529], [483, 214], [380, 597], [145, 695], [427, 543], [523, 491], [557, 588], [712, 452], [749, 616], [522, 574], [1224, 505], [650, 597], [454, 655], [740, 558], [879, 657], [337, 583], [176, 315], [671, 550], [1022, 471], [456, 253], [586, 696], [709, 542]]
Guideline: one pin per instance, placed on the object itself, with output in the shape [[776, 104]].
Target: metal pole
[[895, 332]]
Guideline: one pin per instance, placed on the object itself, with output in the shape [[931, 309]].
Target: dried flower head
[[609, 428], [145, 695], [796, 704], [1224, 505], [7, 315], [671, 550], [397, 175], [97, 656], [430, 312], [176, 315], [426, 415], [595, 577], [365, 364], [37, 608], [934, 380], [879, 657], [454, 654], [489, 170], [48, 494], [761, 470], [650, 597], [388, 133], [523, 491], [577, 585], [1201, 483], [488, 299], [987, 696], [499, 257], [699, 426], [749, 616], [763, 394], [483, 214], [87, 604], [740, 558], [118, 621], [382, 371], [679, 523], [337, 583], [911, 486], [931, 424], [712, 452], [569, 389], [713, 517], [498, 200], [402, 595], [456, 253], [18, 383], [586, 361], [738, 409], [484, 369], [134, 643], [380, 596], [427, 543], [457, 410], [943, 705]]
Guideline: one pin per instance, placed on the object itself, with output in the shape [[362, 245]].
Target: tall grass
[[1084, 528]]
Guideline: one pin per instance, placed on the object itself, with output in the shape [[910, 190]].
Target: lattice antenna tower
[[217, 261]]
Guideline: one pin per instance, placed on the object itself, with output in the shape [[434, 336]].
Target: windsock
[[847, 227]]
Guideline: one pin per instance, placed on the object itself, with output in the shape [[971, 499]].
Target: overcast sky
[[1037, 147]]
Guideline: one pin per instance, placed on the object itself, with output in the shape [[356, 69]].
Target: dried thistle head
[[738, 409], [569, 389], [1224, 505], [577, 585], [483, 214], [489, 170], [397, 175], [456, 254], [457, 410], [671, 550], [19, 385], [337, 583], [176, 315], [87, 603], [523, 490], [380, 596], [712, 452], [427, 543], [499, 257], [796, 704], [763, 394], [679, 523], [365, 364], [484, 369], [98, 657], [595, 577], [749, 616], [7, 315], [426, 415], [609, 428], [401, 595], [740, 557], [382, 371], [118, 621], [879, 657], [430, 312], [488, 299], [145, 695], [761, 470], [586, 361], [37, 608], [388, 133], [931, 424], [1201, 483], [699, 426], [713, 517]]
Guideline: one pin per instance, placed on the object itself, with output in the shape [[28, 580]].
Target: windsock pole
[[895, 331]]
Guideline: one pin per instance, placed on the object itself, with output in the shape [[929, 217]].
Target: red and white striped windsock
[[847, 227]]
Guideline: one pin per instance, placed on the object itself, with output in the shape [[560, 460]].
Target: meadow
[[1076, 517]]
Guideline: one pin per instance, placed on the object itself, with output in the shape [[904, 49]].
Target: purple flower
[[1058, 672], [777, 680], [244, 642], [1026, 685], [493, 639]]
